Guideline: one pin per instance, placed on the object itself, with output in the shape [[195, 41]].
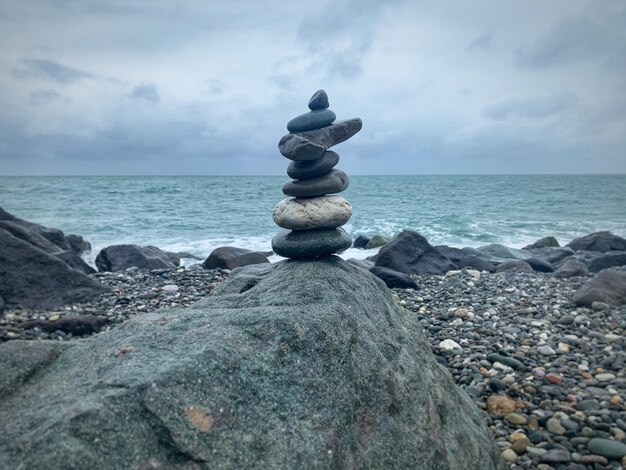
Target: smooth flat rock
[[335, 133], [307, 244], [312, 213], [308, 169], [607, 447], [298, 149], [540, 265], [598, 241], [608, 286], [319, 100], [230, 257], [311, 120], [334, 181], [311, 365], [377, 241]]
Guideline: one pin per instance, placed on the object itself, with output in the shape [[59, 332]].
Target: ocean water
[[199, 213]]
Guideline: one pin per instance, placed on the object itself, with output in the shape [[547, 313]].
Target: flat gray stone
[[311, 120], [312, 213], [335, 133], [307, 244], [298, 149], [319, 100], [313, 168], [333, 182]]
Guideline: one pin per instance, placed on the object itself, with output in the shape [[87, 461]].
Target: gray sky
[[207, 87]]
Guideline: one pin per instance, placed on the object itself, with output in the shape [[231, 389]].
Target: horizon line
[[263, 176]]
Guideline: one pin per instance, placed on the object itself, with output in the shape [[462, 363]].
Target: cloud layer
[[153, 87]]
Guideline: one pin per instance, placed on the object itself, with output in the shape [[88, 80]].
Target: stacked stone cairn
[[314, 214]]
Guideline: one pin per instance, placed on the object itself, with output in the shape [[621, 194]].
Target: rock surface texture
[[40, 267], [313, 215], [230, 257], [275, 370]]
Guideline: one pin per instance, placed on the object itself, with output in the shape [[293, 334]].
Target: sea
[[197, 214]]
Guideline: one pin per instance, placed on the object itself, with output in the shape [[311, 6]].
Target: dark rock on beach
[[230, 257], [540, 265], [502, 252], [610, 259], [311, 120], [361, 241], [551, 255], [74, 261], [50, 240], [516, 265], [393, 279], [608, 287], [306, 244], [545, 242], [335, 181], [570, 268], [410, 253], [120, 257], [377, 241], [279, 372], [31, 277], [313, 168], [466, 258], [598, 241]]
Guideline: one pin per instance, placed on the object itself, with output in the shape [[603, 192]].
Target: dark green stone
[[306, 244]]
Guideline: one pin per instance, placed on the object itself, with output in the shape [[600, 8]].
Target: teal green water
[[197, 214]]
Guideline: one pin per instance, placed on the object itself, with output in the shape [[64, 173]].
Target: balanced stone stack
[[313, 216]]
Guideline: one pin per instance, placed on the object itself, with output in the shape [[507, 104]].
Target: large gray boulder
[[545, 242], [33, 278], [410, 253], [467, 258], [293, 365], [551, 255], [598, 241], [608, 286], [120, 257]]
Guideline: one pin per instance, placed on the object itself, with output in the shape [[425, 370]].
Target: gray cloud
[[49, 69], [438, 90], [538, 107], [597, 33], [146, 92], [44, 97], [482, 42]]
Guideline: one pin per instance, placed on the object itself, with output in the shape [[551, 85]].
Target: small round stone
[[333, 182], [312, 213], [319, 100], [305, 170], [311, 120], [307, 244]]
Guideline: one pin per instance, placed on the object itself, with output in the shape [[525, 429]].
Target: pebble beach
[[547, 375]]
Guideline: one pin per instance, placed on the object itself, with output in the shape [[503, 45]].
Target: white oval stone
[[312, 213]]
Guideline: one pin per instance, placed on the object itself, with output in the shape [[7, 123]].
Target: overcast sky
[[207, 87]]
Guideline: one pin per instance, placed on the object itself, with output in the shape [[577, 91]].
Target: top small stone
[[319, 100]]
